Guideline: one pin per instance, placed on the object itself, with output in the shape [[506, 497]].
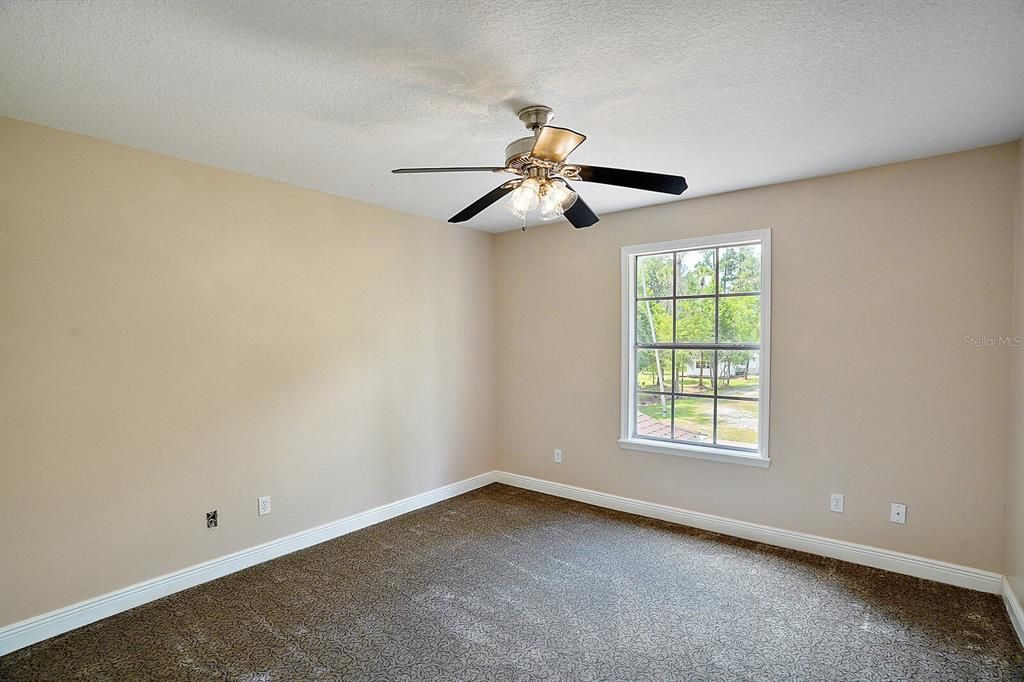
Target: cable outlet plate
[[898, 512]]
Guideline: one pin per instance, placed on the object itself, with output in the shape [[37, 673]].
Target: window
[[695, 347]]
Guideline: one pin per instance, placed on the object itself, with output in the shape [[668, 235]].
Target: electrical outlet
[[898, 512], [264, 507], [558, 456], [836, 503], [211, 519]]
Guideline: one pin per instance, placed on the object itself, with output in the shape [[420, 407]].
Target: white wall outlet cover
[[898, 512], [558, 456], [836, 503], [264, 505]]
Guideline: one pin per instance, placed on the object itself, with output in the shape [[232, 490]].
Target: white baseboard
[[897, 562], [1015, 609], [32, 630]]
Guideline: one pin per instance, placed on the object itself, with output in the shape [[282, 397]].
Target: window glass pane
[[695, 272], [738, 373], [695, 321], [654, 370], [693, 419], [737, 423], [739, 269], [694, 370], [653, 415], [709, 297], [654, 321], [739, 319], [654, 275]]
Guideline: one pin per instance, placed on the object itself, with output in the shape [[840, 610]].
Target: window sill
[[695, 451]]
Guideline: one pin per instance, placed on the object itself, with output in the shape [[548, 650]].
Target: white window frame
[[627, 438]]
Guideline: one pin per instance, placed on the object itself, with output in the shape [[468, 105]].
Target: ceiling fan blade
[[453, 169], [484, 201], [554, 144], [579, 214], [652, 182]]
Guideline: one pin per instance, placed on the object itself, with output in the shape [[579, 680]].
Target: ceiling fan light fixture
[[525, 198], [561, 194], [550, 210], [555, 198], [511, 207]]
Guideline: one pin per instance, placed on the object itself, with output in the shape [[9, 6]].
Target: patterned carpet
[[505, 584]]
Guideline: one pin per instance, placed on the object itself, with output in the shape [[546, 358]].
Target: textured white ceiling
[[331, 95]]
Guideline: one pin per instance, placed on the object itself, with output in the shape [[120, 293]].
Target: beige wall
[[1015, 501], [877, 277], [176, 338]]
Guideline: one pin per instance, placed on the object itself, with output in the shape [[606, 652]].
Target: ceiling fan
[[543, 175]]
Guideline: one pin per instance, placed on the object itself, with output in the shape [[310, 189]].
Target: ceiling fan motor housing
[[518, 151], [534, 118]]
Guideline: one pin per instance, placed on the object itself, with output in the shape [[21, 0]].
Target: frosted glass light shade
[[524, 198]]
